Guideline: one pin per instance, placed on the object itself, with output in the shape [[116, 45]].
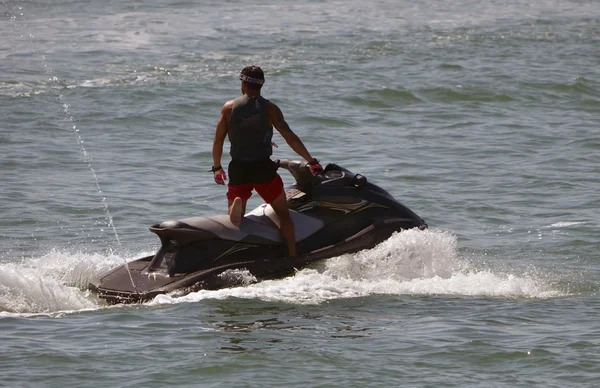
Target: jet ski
[[334, 212]]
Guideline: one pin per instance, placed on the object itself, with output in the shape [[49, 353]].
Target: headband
[[251, 80]]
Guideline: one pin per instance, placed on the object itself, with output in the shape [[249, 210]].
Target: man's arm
[[278, 121], [221, 134]]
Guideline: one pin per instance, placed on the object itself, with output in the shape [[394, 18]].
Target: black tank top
[[249, 130]]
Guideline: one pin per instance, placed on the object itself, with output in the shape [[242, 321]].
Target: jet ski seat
[[261, 222]]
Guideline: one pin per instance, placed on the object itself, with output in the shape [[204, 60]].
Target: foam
[[565, 224], [409, 263], [53, 282]]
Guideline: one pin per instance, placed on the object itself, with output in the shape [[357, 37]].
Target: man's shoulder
[[235, 101], [272, 107], [271, 104], [227, 106]]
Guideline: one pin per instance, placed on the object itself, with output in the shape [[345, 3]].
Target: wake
[[417, 263], [409, 263]]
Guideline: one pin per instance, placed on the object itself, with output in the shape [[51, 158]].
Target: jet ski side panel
[[119, 289], [116, 287]]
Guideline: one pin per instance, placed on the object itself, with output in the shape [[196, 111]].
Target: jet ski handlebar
[[299, 170], [290, 164]]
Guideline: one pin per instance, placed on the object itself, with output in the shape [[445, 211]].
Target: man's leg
[[285, 222], [274, 194], [237, 197], [235, 211]]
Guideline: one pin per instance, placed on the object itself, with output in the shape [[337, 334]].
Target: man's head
[[252, 78]]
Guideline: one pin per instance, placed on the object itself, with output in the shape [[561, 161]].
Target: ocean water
[[481, 116]]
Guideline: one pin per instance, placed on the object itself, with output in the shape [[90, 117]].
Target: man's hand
[[315, 166], [219, 175]]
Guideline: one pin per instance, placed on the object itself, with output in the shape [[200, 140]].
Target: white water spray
[[417, 263], [53, 283], [88, 161]]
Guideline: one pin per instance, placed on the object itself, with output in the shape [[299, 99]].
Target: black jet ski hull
[[116, 286]]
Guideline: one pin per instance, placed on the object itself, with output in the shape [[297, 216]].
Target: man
[[248, 121]]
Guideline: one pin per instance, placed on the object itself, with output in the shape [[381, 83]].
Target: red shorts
[[269, 191]]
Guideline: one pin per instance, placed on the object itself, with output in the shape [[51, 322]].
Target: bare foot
[[235, 213]]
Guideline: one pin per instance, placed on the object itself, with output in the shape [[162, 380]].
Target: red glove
[[315, 166], [219, 175]]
